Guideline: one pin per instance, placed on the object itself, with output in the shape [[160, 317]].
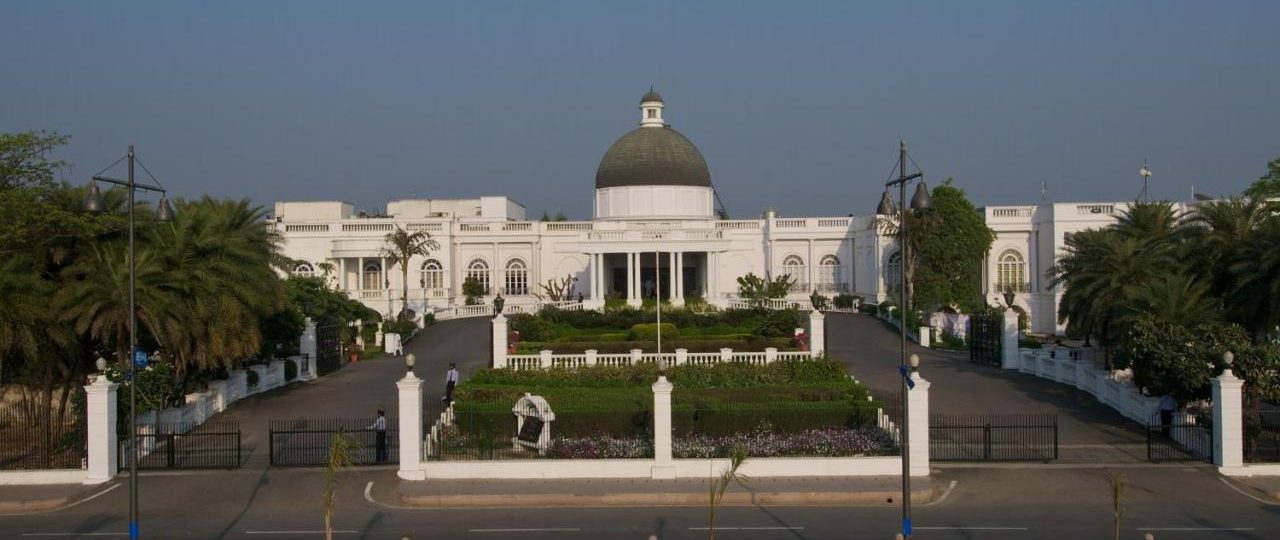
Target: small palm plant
[[737, 456], [340, 450], [1118, 483]]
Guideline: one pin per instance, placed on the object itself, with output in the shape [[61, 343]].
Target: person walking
[[380, 429], [450, 381], [1167, 406]]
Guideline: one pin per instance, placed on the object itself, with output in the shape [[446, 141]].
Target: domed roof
[[650, 96], [653, 156]]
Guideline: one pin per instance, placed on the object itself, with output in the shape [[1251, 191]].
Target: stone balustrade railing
[[546, 359]]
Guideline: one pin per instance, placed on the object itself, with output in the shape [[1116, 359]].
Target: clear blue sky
[[795, 105]]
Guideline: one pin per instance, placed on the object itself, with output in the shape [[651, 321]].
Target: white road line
[[549, 529], [1185, 529], [944, 496], [972, 528], [748, 528], [300, 532], [78, 534], [1245, 493]]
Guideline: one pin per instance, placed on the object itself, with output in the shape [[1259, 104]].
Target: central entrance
[[640, 276]]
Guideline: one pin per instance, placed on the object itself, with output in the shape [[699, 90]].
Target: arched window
[[432, 274], [373, 276], [479, 270], [893, 272], [1011, 272], [793, 265], [516, 278], [304, 270], [829, 272]]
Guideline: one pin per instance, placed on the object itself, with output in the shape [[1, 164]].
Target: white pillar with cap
[[410, 434]]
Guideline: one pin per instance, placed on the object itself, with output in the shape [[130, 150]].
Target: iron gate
[[212, 445], [984, 338], [993, 437], [1178, 438], [306, 442], [328, 349]]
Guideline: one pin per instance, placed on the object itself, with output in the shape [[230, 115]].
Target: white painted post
[[663, 466], [377, 337], [544, 358], [636, 356], [102, 445], [918, 405], [726, 355], [1009, 341], [682, 357], [924, 335], [307, 348], [817, 334], [591, 356], [410, 389], [499, 354], [770, 355], [1228, 421]]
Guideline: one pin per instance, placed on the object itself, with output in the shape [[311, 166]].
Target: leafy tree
[[401, 247], [559, 216], [759, 290], [1267, 185], [473, 290], [951, 251]]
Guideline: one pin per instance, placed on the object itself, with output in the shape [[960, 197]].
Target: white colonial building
[[655, 231]]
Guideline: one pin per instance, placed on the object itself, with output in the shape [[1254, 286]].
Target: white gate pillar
[[410, 435], [817, 333], [663, 466], [1228, 420], [918, 424], [1009, 341], [307, 348], [499, 355], [102, 446]]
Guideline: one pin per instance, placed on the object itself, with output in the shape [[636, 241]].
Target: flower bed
[[767, 442]]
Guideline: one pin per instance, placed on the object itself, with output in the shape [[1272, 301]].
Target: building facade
[[654, 233]]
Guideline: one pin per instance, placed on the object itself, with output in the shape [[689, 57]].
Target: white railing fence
[[546, 359]]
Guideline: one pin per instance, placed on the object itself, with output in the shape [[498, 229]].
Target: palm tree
[[401, 247]]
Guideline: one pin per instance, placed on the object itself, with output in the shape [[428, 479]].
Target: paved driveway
[[358, 390], [1088, 430]]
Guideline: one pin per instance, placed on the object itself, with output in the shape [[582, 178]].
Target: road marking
[[748, 528], [944, 496], [78, 534], [1176, 529], [548, 529], [1245, 493], [300, 532], [972, 528]]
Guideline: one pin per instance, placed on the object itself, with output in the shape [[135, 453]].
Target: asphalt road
[[1001, 503]]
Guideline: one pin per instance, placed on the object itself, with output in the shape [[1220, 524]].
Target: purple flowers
[[600, 447]]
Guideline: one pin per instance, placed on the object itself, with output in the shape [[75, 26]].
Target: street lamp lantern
[[915, 362], [409, 361], [1228, 358], [93, 200], [921, 200], [164, 212]]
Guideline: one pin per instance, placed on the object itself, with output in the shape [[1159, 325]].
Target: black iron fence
[[587, 427], [993, 437], [212, 445], [985, 333], [306, 442], [1178, 438], [1262, 438], [42, 438], [328, 349]]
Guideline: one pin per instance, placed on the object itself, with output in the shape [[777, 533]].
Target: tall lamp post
[[919, 201], [93, 203]]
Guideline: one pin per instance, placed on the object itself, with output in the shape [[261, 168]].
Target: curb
[[33, 505], [756, 498]]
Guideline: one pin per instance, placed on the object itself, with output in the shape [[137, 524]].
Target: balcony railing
[[1015, 287]]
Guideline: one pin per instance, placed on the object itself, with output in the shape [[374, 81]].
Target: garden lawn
[[621, 330]]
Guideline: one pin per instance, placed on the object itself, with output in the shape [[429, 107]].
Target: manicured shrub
[[251, 377], [531, 327], [648, 331], [290, 370]]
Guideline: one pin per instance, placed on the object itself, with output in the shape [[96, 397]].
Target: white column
[[1228, 423], [680, 276], [499, 356], [343, 284], [918, 425], [633, 279], [673, 284], [102, 446], [811, 263], [595, 279], [1009, 341], [307, 348], [360, 273], [817, 334], [663, 466], [713, 290], [410, 389]]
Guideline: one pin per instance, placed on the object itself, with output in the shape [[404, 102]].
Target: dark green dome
[[650, 96], [653, 156]]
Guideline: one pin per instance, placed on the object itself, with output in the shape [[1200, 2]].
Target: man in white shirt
[[450, 381], [380, 429]]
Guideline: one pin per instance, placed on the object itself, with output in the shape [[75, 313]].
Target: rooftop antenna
[[1145, 173], [1042, 191]]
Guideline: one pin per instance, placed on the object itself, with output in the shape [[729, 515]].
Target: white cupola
[[651, 110]]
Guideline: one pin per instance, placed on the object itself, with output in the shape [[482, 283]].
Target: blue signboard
[[906, 374], [139, 358]]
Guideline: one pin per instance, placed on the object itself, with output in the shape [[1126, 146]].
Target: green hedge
[[648, 331], [719, 376], [751, 343]]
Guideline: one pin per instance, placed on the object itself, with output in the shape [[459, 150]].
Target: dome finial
[[651, 109]]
